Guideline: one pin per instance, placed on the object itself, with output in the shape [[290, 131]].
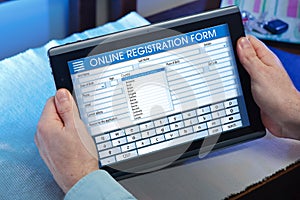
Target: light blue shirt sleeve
[[98, 185]]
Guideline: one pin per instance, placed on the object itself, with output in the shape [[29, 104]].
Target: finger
[[66, 107], [263, 52], [49, 113], [248, 56]]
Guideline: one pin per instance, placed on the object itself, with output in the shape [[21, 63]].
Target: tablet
[[159, 94]]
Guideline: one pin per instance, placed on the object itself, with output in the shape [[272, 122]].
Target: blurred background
[[32, 23]]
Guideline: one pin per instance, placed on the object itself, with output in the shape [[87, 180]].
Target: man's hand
[[63, 141], [272, 88]]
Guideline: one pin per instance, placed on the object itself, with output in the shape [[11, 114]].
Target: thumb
[[248, 56], [65, 106]]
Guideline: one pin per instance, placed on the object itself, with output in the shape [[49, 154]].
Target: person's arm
[[272, 88], [70, 153], [98, 185]]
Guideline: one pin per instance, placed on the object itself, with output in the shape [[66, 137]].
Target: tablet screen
[[154, 95]]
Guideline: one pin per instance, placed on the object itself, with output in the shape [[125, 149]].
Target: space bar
[[171, 143]]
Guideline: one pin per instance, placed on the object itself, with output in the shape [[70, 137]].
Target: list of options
[[148, 94]]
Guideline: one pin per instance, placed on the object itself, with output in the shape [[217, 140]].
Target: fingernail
[[62, 96], [244, 43]]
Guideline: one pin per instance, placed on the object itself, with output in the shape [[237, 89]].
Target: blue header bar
[[146, 49]]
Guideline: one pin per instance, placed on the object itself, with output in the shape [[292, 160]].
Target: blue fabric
[[291, 63], [26, 83], [98, 185]]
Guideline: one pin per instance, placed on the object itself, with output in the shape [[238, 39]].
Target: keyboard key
[[119, 141], [200, 127], [186, 131], [163, 129], [135, 137], [190, 122], [230, 111], [213, 123], [131, 130], [148, 133], [142, 143], [232, 125], [102, 138], [109, 152], [204, 118], [161, 122], [128, 147], [201, 134], [157, 139], [165, 144], [230, 103], [127, 155], [171, 135], [231, 118], [107, 161], [103, 146], [215, 130], [176, 126], [218, 114], [217, 107], [189, 114], [117, 134], [202, 111], [175, 118], [146, 126]]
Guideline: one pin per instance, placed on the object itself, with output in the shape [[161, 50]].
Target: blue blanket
[[26, 83]]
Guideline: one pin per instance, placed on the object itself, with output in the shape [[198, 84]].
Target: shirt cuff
[[98, 185]]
